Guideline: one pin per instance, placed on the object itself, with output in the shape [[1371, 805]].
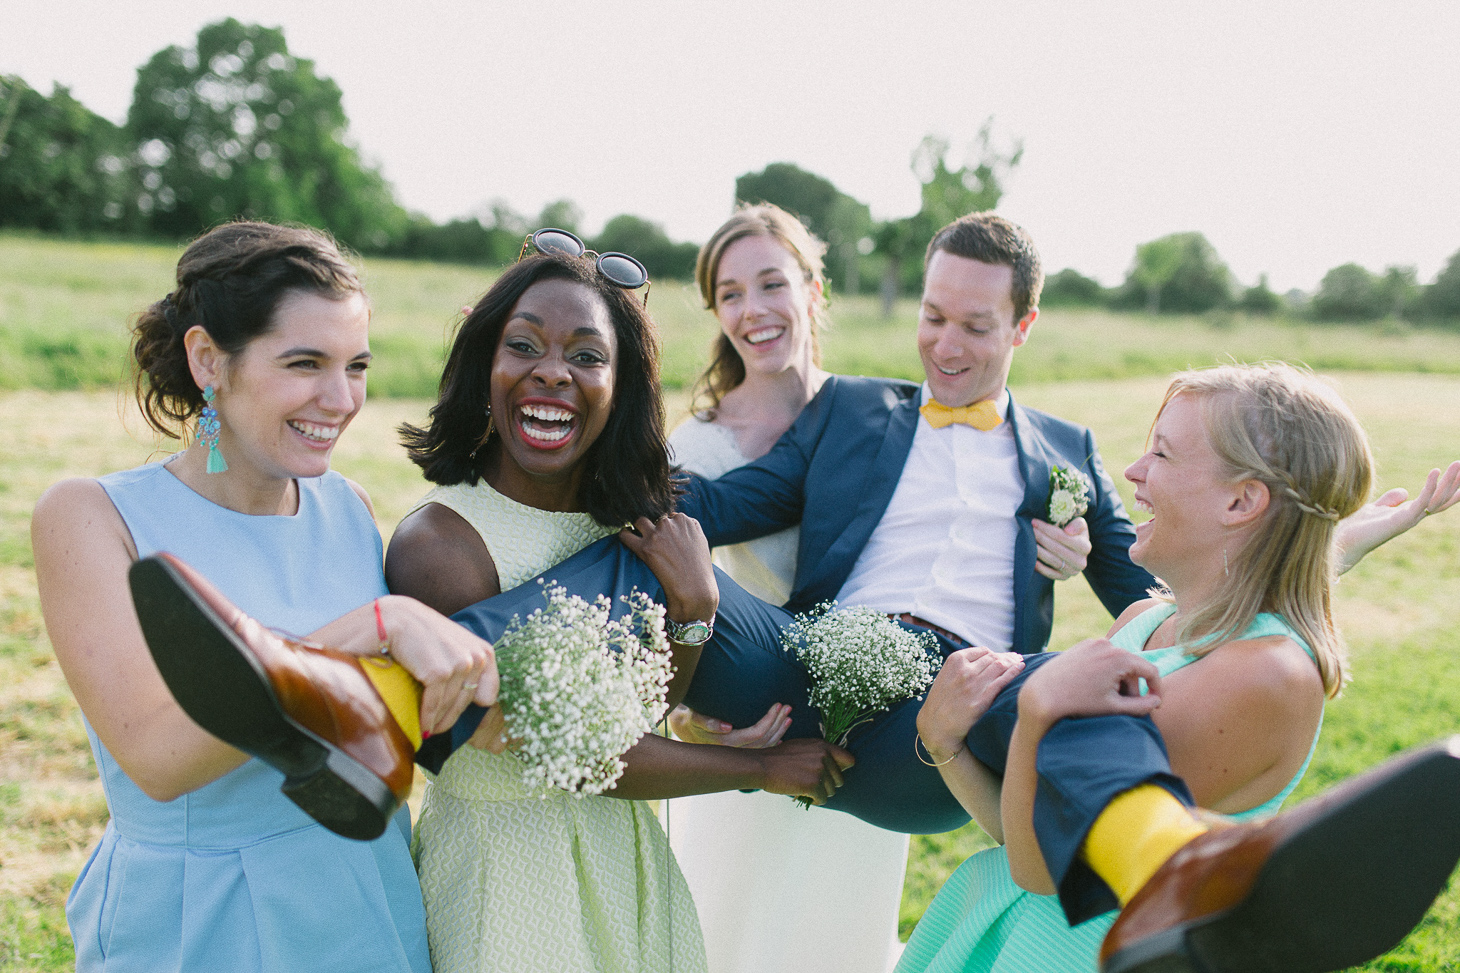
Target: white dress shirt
[[944, 548]]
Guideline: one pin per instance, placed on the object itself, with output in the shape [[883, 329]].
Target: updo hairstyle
[[230, 281]]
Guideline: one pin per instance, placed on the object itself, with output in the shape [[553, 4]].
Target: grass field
[[1396, 608], [64, 309]]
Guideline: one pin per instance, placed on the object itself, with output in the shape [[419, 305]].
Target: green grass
[[1101, 370], [65, 308]]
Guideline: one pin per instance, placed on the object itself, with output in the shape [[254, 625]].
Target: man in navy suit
[[942, 523]]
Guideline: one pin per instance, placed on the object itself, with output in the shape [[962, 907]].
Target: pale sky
[[1296, 136]]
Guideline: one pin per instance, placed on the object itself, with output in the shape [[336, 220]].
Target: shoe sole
[[1344, 888], [223, 687]]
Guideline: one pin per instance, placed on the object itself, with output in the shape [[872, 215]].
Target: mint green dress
[[520, 881], [981, 922]]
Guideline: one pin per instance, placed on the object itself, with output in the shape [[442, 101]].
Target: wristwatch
[[689, 633]]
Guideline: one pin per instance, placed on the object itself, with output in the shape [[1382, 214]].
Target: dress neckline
[[298, 494]]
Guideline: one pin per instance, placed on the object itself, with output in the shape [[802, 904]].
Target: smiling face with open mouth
[[552, 392], [763, 302], [284, 400], [1180, 482]]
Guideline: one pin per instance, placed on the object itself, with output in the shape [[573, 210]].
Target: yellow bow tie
[[981, 415]]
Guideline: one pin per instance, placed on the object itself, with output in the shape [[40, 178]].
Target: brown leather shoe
[[308, 711], [1332, 883]]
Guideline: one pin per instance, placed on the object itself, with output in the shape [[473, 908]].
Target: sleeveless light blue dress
[[233, 877], [981, 922]]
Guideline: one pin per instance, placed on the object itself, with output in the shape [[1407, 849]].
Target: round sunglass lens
[[556, 241], [623, 270]]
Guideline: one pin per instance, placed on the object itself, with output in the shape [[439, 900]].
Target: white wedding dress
[[779, 887]]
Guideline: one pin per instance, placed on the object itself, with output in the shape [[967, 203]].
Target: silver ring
[[468, 685]]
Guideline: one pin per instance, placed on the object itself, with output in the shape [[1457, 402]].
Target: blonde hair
[[726, 369], [1281, 426]]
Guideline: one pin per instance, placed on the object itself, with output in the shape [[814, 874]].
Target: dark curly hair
[[628, 472], [230, 281]]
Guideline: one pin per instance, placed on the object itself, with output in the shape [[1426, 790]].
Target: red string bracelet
[[380, 632]]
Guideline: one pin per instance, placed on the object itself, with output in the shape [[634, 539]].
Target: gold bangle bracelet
[[919, 739]]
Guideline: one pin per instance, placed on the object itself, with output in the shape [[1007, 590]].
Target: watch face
[[690, 633]]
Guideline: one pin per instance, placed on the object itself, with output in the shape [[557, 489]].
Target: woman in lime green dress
[[547, 436], [1248, 471]]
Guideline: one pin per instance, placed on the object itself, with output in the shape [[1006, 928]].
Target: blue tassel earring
[[208, 431]]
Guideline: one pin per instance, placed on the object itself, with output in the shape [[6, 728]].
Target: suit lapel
[[874, 493], [1034, 464], [1034, 453]]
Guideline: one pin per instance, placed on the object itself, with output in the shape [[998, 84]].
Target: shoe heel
[[344, 797], [1162, 953], [1397, 835]]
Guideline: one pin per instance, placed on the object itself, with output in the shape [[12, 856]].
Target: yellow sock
[[401, 692], [1135, 835]]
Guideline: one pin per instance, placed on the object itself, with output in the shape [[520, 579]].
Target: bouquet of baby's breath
[[1069, 494], [579, 689], [860, 662]]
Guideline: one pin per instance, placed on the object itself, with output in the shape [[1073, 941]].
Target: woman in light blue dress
[[204, 865]]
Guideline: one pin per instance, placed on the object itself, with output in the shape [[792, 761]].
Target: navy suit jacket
[[835, 470]]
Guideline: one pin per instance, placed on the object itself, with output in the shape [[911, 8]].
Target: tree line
[[237, 126]]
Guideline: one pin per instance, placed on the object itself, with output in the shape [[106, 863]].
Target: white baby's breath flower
[[860, 663], [578, 688]]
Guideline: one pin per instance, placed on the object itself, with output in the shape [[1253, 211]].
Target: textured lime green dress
[[515, 880], [981, 922]]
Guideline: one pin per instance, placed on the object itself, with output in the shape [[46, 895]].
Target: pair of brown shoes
[[1335, 882], [308, 711]]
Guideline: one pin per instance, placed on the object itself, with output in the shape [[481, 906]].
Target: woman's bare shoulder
[[438, 558], [1131, 612]]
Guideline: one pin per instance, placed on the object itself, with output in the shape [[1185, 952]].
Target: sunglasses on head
[[618, 269]]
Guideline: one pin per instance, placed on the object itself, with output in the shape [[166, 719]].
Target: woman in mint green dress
[[1248, 471]]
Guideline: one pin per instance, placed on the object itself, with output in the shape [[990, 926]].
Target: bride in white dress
[[778, 888]]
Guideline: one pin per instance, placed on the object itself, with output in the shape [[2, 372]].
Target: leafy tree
[[63, 168], [1399, 291], [947, 194], [1070, 288], [648, 242], [237, 126], [1442, 298], [1349, 293], [1178, 273], [838, 219], [563, 214], [1260, 300]]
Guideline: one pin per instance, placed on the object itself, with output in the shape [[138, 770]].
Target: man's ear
[[1250, 499], [205, 358], [1023, 325]]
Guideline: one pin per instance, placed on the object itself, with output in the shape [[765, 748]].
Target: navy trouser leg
[[743, 670], [1082, 764]]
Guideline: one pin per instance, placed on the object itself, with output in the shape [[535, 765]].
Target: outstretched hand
[[692, 727], [1389, 516], [1092, 678]]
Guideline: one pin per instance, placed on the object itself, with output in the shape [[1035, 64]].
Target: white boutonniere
[[1069, 495]]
